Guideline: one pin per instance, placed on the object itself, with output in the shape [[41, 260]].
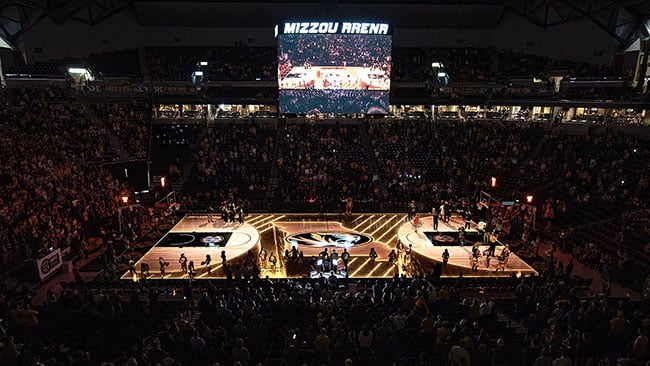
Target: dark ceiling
[[623, 20]]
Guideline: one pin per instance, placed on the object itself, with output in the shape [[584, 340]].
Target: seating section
[[324, 162], [519, 65], [54, 192], [232, 160], [589, 201], [462, 64], [243, 63], [174, 63], [445, 161], [37, 70], [172, 146], [121, 63], [381, 322], [130, 123]]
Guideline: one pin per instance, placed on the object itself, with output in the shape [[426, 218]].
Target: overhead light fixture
[[203, 63], [77, 70]]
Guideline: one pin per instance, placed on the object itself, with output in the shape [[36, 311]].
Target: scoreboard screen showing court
[[334, 67]]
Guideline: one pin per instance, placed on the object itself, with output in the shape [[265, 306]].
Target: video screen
[[334, 73]]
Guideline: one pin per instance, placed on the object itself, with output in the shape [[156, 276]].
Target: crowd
[[234, 161], [242, 62], [461, 64], [598, 93], [325, 163], [419, 321], [445, 161], [334, 50], [130, 122], [340, 101], [52, 195]]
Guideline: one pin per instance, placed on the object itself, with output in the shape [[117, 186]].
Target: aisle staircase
[[277, 154], [117, 148]]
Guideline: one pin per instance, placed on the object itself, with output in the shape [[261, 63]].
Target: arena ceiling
[[624, 20]]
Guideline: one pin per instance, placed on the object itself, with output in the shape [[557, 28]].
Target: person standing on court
[[206, 262], [445, 258], [183, 262], [435, 215], [412, 207]]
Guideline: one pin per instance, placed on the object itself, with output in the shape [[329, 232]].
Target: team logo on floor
[[444, 239], [195, 239], [328, 239], [212, 239]]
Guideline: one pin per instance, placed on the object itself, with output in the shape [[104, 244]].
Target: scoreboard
[[334, 67]]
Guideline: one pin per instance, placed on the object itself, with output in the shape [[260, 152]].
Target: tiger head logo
[[329, 239]]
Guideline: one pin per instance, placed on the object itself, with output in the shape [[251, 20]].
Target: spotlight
[[529, 199]]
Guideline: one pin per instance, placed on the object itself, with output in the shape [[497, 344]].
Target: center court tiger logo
[[329, 239]]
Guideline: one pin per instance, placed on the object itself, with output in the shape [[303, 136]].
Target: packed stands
[[130, 123], [233, 160], [325, 163], [55, 196], [243, 63], [322, 322], [590, 199]]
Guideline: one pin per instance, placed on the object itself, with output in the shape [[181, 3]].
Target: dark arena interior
[[324, 183]]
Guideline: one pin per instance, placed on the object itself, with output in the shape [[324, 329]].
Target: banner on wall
[[141, 89], [49, 264]]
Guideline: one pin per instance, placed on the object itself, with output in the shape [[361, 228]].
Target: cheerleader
[[476, 256], [348, 207], [500, 263], [163, 264], [503, 258], [416, 222], [191, 271], [505, 252], [488, 257]]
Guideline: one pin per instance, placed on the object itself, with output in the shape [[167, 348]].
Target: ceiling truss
[[19, 16], [622, 19]]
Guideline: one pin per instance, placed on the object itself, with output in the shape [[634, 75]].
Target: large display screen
[[334, 67]]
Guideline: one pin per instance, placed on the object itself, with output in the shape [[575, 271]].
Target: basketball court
[[310, 234]]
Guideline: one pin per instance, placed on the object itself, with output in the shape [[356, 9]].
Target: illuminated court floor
[[195, 237]]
